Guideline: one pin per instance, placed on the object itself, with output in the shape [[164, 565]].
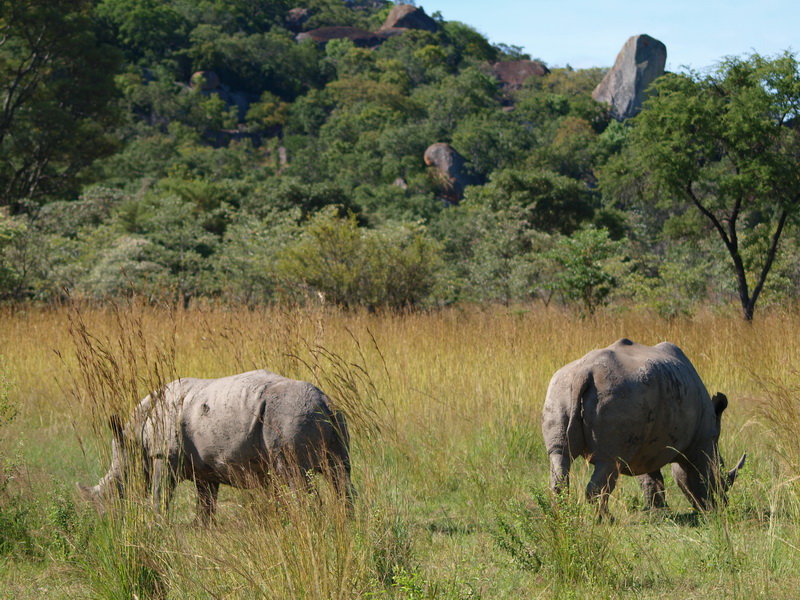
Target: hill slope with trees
[[256, 152]]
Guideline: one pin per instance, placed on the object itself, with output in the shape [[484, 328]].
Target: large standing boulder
[[450, 170], [409, 17], [639, 63]]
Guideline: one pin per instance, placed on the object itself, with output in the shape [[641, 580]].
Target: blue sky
[[590, 33]]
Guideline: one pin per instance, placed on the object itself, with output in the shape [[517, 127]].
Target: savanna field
[[448, 460]]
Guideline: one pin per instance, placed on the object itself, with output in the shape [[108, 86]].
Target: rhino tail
[[576, 442]]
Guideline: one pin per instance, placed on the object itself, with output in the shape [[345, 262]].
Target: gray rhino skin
[[238, 430], [633, 409]]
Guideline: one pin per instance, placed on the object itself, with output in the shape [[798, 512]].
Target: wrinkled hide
[[633, 409], [241, 430]]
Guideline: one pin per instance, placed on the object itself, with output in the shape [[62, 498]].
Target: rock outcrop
[[205, 80], [450, 170], [361, 38], [402, 18], [409, 17], [513, 73], [638, 64]]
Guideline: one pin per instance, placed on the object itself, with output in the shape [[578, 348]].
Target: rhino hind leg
[[560, 464], [654, 491], [602, 483]]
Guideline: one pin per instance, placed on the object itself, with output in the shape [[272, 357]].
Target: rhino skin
[[240, 430], [633, 409]]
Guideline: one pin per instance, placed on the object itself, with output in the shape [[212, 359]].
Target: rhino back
[[236, 422]]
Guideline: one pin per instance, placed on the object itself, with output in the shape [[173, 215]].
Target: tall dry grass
[[444, 413]]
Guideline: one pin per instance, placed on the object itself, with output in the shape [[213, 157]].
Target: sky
[[590, 33]]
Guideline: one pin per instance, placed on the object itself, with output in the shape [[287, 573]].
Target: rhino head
[[111, 484], [704, 484]]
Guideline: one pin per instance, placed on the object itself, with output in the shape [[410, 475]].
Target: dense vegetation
[[302, 172]]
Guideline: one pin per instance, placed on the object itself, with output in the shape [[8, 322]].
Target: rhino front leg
[[601, 484], [654, 492], [206, 500], [162, 483]]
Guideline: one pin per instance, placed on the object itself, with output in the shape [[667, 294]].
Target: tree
[[10, 277], [394, 266], [543, 200], [726, 143], [56, 87], [584, 273]]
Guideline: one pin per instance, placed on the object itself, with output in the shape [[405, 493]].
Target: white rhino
[[238, 430], [632, 409]]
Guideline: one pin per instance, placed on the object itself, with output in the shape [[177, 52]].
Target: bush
[[561, 537], [394, 266], [584, 273]]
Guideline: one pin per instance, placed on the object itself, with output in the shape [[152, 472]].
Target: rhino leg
[[206, 500], [654, 492], [601, 484], [559, 471], [162, 483]]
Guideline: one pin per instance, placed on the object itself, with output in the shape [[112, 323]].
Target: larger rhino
[[238, 430], [633, 409]]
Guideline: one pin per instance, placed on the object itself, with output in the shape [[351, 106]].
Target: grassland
[[448, 460]]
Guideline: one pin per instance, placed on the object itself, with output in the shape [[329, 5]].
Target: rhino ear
[[720, 402], [115, 423]]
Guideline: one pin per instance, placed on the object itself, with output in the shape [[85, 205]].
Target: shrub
[[394, 266]]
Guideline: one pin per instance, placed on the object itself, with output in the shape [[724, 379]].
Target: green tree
[[491, 141], [725, 143], [56, 88], [148, 30], [394, 266], [245, 266], [543, 200], [584, 274], [11, 231]]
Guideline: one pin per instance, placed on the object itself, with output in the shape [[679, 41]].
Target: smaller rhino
[[632, 409], [240, 430]]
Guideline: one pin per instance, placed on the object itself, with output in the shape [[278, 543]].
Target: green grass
[[447, 454]]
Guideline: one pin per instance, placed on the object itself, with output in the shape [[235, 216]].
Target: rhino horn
[[735, 471]]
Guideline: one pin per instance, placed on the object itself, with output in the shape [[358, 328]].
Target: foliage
[[207, 122], [246, 267], [584, 274], [724, 144], [560, 537], [393, 266], [543, 200], [11, 230], [56, 85]]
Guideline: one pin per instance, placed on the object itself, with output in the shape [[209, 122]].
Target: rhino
[[240, 430], [633, 409]]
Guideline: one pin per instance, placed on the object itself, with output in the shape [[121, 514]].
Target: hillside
[[362, 150]]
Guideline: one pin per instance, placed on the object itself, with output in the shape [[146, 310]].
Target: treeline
[[198, 148]]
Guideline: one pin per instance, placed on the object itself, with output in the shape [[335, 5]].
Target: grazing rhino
[[238, 430], [632, 409]]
